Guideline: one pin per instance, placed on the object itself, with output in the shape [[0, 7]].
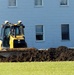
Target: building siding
[[51, 15]]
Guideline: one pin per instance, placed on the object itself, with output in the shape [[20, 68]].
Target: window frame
[[38, 5], [66, 4], [12, 6], [65, 39], [43, 33]]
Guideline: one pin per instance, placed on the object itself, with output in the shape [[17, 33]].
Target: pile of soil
[[61, 53]]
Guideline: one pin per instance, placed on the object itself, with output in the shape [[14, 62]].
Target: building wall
[[51, 15]]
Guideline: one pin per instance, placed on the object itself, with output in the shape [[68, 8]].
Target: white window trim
[[65, 5], [38, 6], [12, 6], [43, 33]]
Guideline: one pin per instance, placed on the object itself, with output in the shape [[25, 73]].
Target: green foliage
[[37, 68]]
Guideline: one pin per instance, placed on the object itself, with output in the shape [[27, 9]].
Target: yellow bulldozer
[[12, 36], [12, 39]]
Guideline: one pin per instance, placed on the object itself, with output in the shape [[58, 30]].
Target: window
[[39, 32], [65, 31], [7, 31], [63, 2], [11, 2], [38, 2]]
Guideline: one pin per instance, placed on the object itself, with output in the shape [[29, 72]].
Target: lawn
[[37, 68]]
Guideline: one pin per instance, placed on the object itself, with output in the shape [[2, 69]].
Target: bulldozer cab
[[17, 30], [10, 33]]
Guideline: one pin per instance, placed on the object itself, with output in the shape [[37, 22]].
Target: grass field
[[37, 68]]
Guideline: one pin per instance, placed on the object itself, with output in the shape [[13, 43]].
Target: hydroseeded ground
[[37, 68]]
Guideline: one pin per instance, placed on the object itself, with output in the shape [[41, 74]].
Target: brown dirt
[[61, 53]]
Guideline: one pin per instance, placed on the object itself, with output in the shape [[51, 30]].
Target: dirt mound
[[61, 53], [65, 54]]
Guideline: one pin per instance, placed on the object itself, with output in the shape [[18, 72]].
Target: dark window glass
[[65, 31], [63, 2], [39, 32]]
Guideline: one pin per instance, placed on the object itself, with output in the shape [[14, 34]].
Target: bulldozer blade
[[20, 49], [14, 51]]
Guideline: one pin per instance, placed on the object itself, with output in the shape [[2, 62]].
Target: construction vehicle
[[12, 36], [12, 39]]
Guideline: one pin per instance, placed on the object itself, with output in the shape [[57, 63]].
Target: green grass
[[37, 68]]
